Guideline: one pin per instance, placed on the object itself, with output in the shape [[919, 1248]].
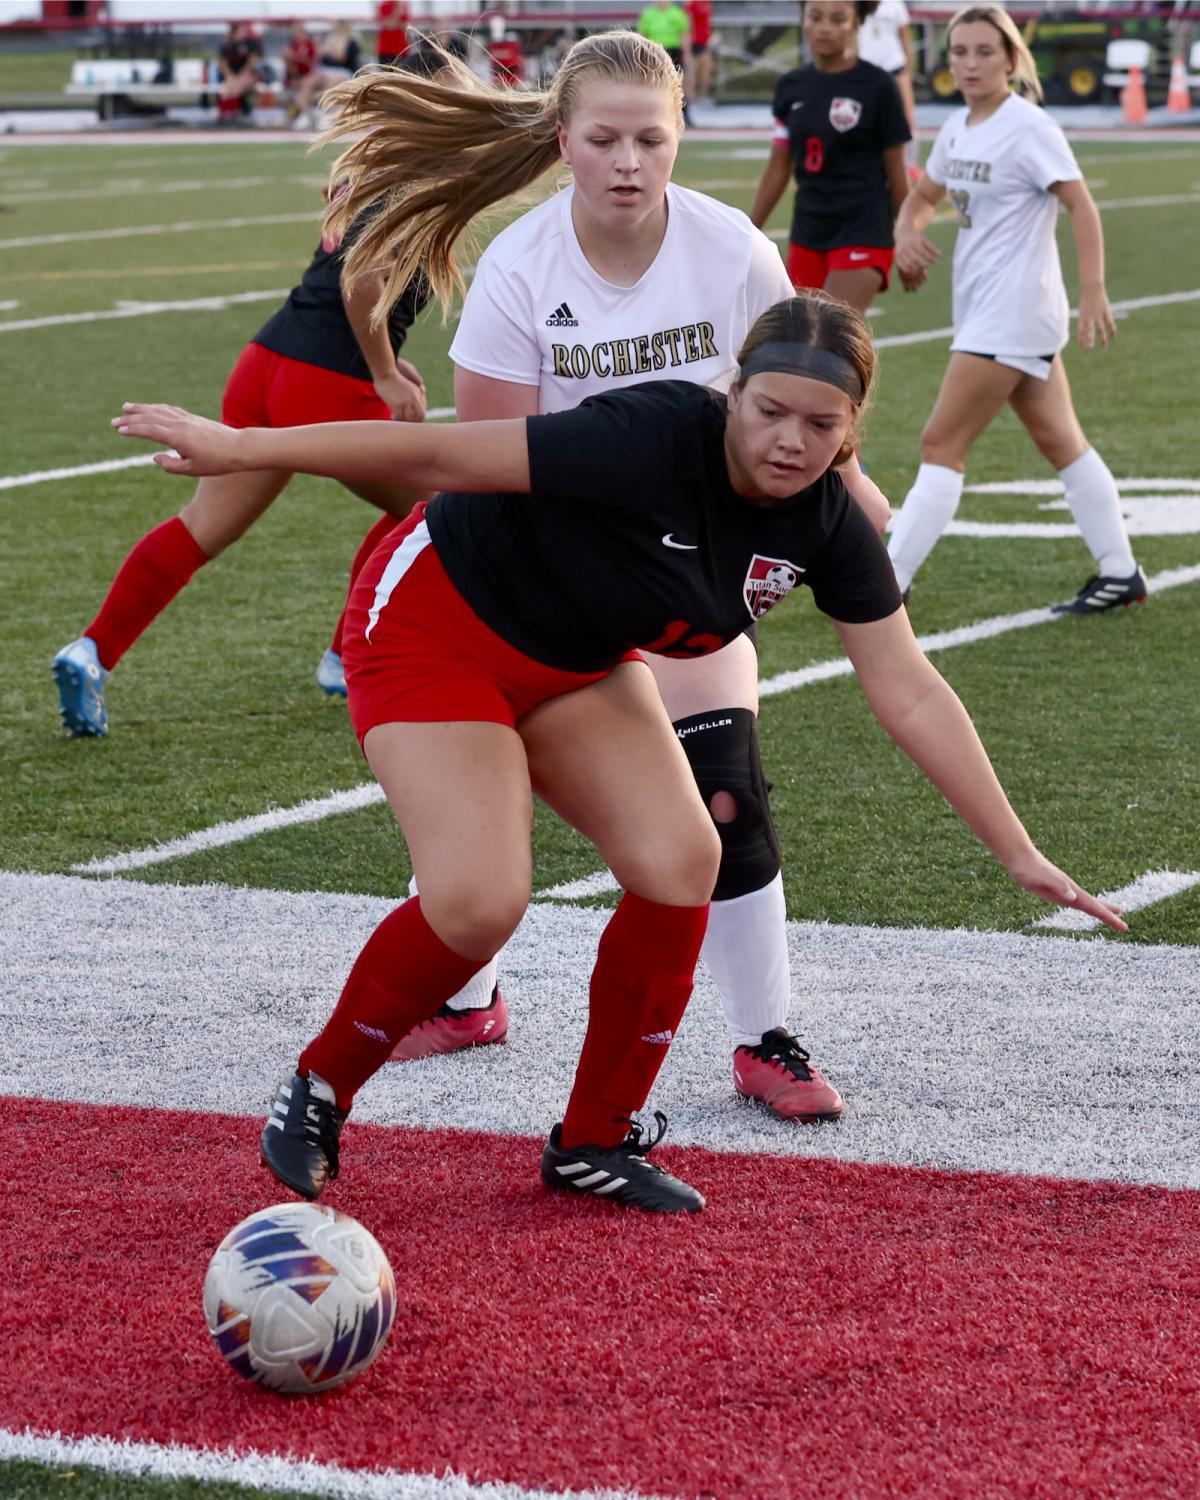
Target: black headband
[[803, 359]]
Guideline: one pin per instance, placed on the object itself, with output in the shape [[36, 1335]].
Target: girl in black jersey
[[660, 516], [316, 359], [840, 129]]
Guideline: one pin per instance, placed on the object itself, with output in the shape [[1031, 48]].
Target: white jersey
[[1009, 296], [537, 313], [879, 36]]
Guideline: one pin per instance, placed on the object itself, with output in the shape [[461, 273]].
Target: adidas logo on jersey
[[562, 317]]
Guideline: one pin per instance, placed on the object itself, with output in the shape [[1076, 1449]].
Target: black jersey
[[632, 535], [838, 127], [312, 325]]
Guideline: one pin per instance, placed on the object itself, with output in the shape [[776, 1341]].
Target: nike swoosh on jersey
[[669, 541], [859, 255]]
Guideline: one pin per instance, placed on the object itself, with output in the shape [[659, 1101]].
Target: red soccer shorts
[[811, 267], [415, 652], [267, 389]]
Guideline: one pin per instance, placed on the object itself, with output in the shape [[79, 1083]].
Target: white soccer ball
[[299, 1297], [780, 578]]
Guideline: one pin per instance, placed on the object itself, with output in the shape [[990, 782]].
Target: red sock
[[640, 987], [403, 974], [369, 543], [148, 579]]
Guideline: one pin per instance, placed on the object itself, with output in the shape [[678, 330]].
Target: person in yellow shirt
[[669, 25]]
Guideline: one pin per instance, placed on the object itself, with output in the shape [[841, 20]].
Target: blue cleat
[[81, 679], [331, 675]]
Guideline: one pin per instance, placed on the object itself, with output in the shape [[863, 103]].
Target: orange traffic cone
[[1179, 101], [1133, 98]]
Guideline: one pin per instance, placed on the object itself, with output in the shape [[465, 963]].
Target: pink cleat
[[777, 1073], [449, 1030]]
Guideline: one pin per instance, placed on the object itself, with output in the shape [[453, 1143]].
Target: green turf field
[[215, 715]]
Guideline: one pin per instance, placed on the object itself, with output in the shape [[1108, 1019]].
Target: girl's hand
[[914, 256], [405, 398], [1038, 875], [198, 446], [1096, 319]]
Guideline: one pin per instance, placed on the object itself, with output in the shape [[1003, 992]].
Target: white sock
[[927, 510], [476, 994], [1096, 507], [745, 949]]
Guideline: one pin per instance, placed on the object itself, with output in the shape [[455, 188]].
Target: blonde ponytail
[[431, 154], [1024, 69]]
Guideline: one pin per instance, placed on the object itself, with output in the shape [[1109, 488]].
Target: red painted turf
[[822, 1330]]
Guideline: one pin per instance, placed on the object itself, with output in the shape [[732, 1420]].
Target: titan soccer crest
[[768, 580], [844, 114]]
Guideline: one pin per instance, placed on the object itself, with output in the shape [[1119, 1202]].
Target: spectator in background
[[299, 59], [340, 58], [238, 61], [394, 18], [885, 39], [699, 86], [667, 24], [508, 60]]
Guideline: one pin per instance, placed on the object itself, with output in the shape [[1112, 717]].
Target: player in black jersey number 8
[[468, 688]]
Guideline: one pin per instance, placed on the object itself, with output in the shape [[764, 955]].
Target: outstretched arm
[[923, 714], [467, 456]]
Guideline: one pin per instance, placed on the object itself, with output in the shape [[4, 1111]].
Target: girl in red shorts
[[491, 653], [840, 129], [316, 360]]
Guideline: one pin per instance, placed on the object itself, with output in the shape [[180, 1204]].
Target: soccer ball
[[299, 1297], [780, 579]]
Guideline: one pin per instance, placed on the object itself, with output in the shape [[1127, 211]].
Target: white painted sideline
[[314, 809], [263, 1471], [1146, 890]]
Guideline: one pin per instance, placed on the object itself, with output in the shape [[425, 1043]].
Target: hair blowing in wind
[[428, 155]]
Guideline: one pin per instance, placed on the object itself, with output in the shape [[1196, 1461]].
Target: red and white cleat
[[777, 1073], [449, 1030]]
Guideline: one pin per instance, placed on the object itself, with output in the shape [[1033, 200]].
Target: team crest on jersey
[[844, 114], [768, 580]]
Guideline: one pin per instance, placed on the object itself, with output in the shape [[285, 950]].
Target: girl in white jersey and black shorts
[[621, 278], [1006, 167]]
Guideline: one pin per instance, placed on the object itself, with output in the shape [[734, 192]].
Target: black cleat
[[619, 1173], [1100, 593], [300, 1139]]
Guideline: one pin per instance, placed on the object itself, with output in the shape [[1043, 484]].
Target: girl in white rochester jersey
[[619, 279], [1006, 167]]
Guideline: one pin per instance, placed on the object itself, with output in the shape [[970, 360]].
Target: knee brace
[[722, 749]]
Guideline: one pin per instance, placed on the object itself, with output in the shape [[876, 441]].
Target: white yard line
[[220, 834], [1146, 890], [145, 309], [366, 795], [1127, 305], [124, 188], [44, 476], [141, 460], [185, 226], [964, 635], [266, 1471], [598, 884]]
